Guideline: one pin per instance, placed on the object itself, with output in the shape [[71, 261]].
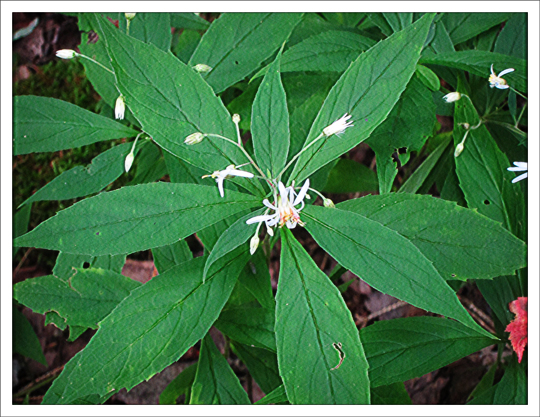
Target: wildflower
[[519, 166], [451, 97], [66, 53], [120, 108], [459, 149], [285, 211], [236, 118], [194, 138], [130, 16], [518, 327], [202, 68], [254, 243], [228, 172], [338, 126], [497, 81], [129, 161]]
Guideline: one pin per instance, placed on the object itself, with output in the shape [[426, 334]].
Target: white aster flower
[[284, 207], [451, 97], [519, 166], [120, 108], [338, 126], [228, 172], [497, 81], [66, 53]]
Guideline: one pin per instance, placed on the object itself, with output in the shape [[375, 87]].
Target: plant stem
[[95, 62], [298, 155]]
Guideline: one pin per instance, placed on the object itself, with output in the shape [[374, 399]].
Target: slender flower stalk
[[519, 166], [228, 172]]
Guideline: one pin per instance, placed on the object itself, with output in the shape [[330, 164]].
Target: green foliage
[[320, 85]]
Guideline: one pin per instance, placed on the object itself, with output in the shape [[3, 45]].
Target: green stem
[[517, 92], [95, 62], [520, 116], [298, 155]]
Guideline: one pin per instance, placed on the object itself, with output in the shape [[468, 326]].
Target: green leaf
[[154, 28], [402, 349], [43, 124], [314, 331], [428, 78], [464, 26], [349, 176], [67, 264], [25, 340], [270, 123], [386, 260], [393, 394], [262, 365], [188, 21], [442, 231], [166, 257], [333, 50], [82, 181], [236, 44], [512, 39], [215, 381], [21, 218], [256, 279], [408, 125], [368, 91], [178, 386], [398, 21], [499, 293], [86, 299], [419, 177], [149, 164], [252, 326], [234, 236], [483, 175], [150, 329], [135, 218], [171, 101], [479, 63], [276, 396]]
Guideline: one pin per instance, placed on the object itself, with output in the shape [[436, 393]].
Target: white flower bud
[[194, 138], [130, 16], [451, 97], [338, 126], [202, 68], [328, 203], [459, 149], [120, 108], [129, 161], [236, 118], [66, 53], [254, 244]]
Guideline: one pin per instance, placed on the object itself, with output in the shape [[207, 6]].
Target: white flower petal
[[504, 72], [521, 177], [269, 205], [258, 219], [302, 193], [239, 173], [219, 181]]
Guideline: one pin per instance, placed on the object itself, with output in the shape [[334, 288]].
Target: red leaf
[[518, 327]]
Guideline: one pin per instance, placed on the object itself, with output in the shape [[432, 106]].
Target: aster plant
[[253, 117]]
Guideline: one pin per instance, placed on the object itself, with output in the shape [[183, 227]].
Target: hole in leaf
[[486, 202], [403, 150], [86, 265], [453, 275], [236, 62]]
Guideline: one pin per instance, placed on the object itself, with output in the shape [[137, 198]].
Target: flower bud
[[129, 161], [194, 138], [120, 108], [202, 68], [236, 118], [66, 53], [465, 126], [338, 126], [328, 203], [254, 244], [459, 149], [451, 97], [130, 16]]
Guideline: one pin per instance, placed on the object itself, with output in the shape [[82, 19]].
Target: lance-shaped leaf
[[270, 123], [320, 355], [479, 63], [135, 218], [464, 26], [461, 243], [82, 181], [25, 340], [166, 257], [171, 101], [215, 381], [368, 91], [86, 299], [482, 172], [408, 125], [236, 43], [188, 21], [154, 28], [149, 330], [278, 395], [393, 394], [401, 349], [43, 124], [384, 259]]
